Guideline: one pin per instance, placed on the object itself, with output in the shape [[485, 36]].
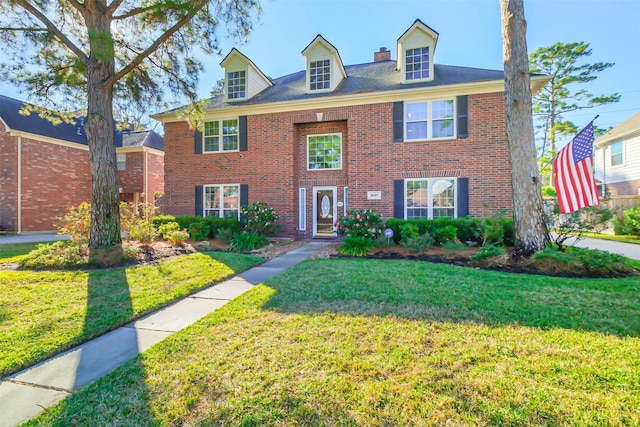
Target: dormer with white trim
[[242, 79], [415, 53], [325, 70]]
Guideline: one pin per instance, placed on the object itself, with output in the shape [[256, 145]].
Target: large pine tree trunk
[[100, 129], [530, 227]]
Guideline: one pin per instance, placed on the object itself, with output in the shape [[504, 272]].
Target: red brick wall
[[132, 178], [8, 180], [274, 166]]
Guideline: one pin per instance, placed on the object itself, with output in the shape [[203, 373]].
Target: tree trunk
[[100, 129], [530, 227]]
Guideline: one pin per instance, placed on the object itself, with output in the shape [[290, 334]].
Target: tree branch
[[26, 29], [113, 7], [132, 12], [154, 46], [53, 29]]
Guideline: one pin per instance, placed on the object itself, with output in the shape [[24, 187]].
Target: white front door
[[324, 211]]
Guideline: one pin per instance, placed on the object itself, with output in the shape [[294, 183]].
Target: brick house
[[406, 137], [44, 168]]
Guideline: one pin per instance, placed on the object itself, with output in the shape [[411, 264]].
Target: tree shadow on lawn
[[445, 293]]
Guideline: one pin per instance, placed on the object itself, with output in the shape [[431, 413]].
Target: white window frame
[[221, 135], [221, 210], [341, 148], [430, 206], [240, 79], [121, 161], [328, 75], [428, 65], [621, 154], [302, 210], [429, 120]]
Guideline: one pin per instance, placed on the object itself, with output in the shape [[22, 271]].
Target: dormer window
[[236, 85], [320, 75], [417, 63]]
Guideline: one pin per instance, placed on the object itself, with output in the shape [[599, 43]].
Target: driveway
[[31, 237]]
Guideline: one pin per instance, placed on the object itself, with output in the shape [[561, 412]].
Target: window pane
[[442, 128], [324, 151], [442, 109], [417, 193], [236, 85], [320, 75], [443, 197], [417, 63], [231, 196], [616, 154], [417, 111], [211, 199], [417, 130]]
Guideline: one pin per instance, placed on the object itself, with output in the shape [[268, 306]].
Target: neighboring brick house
[[406, 137], [44, 168], [617, 158]]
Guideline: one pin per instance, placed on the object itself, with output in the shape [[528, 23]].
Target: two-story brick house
[[44, 168], [406, 137]]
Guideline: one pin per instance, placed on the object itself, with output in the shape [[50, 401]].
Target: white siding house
[[617, 158]]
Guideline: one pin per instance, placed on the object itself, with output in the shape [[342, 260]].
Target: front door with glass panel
[[324, 211]]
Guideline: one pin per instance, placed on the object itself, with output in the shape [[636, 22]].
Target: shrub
[[419, 243], [54, 255], [630, 223], [548, 191], [487, 251], [176, 237], [575, 224], [453, 246], [137, 224], [490, 231], [409, 231], [76, 223], [225, 234], [199, 230], [158, 220], [446, 234], [356, 245], [360, 223], [466, 228], [246, 242], [260, 218], [168, 227]]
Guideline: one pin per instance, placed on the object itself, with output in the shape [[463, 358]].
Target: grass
[[15, 251], [375, 342], [46, 311]]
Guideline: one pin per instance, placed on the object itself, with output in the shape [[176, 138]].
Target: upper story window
[[617, 155], [324, 151], [236, 85], [429, 120], [220, 135], [121, 161], [320, 75], [417, 63]]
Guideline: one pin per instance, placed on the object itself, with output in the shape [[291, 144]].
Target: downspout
[[146, 182], [604, 171], [19, 194]]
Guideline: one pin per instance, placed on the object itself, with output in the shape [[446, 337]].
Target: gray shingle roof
[[370, 77], [33, 123]]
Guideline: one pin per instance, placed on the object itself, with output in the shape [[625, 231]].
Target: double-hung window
[[429, 120], [222, 201], [320, 75], [324, 151], [236, 85], [121, 161], [220, 135], [430, 198], [617, 156], [417, 63]]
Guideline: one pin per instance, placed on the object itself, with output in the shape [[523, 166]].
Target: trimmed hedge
[[185, 222], [467, 228]]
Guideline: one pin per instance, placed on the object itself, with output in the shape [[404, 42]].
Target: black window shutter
[[197, 142], [244, 195], [463, 116], [398, 198], [199, 200], [398, 121], [463, 197], [242, 132]]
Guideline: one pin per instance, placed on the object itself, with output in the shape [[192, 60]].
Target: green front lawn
[[375, 342], [46, 311], [13, 252]]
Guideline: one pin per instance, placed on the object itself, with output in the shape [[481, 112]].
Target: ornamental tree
[[102, 53]]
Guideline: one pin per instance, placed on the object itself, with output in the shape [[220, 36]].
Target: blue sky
[[469, 36]]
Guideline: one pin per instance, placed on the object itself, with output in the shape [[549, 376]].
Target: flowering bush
[[77, 223], [260, 219], [360, 223], [137, 224]]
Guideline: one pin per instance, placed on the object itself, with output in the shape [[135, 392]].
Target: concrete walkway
[[27, 393]]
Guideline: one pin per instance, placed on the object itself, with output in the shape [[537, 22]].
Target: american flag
[[574, 182]]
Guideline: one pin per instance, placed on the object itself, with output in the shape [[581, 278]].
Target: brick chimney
[[383, 55]]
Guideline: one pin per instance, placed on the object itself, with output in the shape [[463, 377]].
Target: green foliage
[[549, 191], [158, 220], [419, 243], [137, 224], [53, 255], [168, 227], [225, 234], [630, 224], [409, 231], [488, 251], [246, 242], [491, 230], [356, 245], [177, 237], [215, 223], [576, 260], [595, 259], [76, 223], [360, 223], [260, 218], [199, 230], [453, 246], [446, 234], [592, 219]]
